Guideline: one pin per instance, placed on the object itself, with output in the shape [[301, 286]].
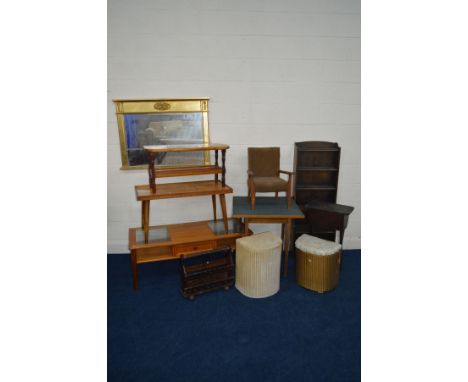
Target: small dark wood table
[[268, 210], [326, 218]]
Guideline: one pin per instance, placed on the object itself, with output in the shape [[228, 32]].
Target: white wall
[[276, 72]]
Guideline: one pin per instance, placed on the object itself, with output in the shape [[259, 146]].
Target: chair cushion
[[264, 161], [269, 184]]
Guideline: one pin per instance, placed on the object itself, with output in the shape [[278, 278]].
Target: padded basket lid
[[317, 246], [260, 241]]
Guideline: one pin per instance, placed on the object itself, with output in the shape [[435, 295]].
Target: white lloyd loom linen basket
[[258, 263]]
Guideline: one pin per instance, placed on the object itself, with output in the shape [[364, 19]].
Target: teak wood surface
[[185, 147], [154, 172], [184, 239], [181, 190], [187, 171]]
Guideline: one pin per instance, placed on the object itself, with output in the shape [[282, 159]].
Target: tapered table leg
[[145, 206], [151, 172], [286, 247], [283, 237], [341, 229], [216, 164], [223, 161], [222, 199], [213, 200], [133, 259]]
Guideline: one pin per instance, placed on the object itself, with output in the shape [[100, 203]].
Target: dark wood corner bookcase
[[316, 168]]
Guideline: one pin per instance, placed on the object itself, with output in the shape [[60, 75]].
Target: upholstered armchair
[[264, 173]]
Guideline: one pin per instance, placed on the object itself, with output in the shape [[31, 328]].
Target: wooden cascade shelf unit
[[169, 242], [316, 168], [146, 193], [188, 171], [181, 190], [215, 169]]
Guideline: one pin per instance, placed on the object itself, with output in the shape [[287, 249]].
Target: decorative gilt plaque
[[162, 106], [145, 122]]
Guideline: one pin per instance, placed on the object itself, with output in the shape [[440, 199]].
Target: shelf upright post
[[151, 171], [216, 164], [223, 156]]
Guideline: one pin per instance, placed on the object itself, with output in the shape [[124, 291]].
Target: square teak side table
[[269, 210]]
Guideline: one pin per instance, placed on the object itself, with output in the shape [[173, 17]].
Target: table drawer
[[181, 249], [231, 242]]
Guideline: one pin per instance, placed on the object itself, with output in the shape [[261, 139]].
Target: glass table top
[[156, 235], [218, 226]]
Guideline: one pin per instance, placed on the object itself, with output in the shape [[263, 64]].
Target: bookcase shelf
[[316, 168], [316, 187]]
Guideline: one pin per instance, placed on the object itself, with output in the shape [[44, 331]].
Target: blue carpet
[[154, 334]]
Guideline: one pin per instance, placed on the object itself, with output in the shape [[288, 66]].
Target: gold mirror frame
[[172, 117]]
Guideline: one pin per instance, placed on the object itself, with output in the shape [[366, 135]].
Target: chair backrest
[[264, 161]]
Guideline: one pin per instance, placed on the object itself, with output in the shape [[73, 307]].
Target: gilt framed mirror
[[144, 122]]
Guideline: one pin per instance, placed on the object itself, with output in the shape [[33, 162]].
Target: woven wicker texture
[[317, 268], [317, 273], [258, 261], [317, 246]]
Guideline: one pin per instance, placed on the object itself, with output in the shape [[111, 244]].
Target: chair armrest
[[286, 172], [250, 173]]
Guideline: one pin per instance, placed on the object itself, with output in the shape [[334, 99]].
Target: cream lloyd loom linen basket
[[258, 263], [317, 263]]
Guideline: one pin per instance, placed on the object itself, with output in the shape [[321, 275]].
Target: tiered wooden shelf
[[187, 171], [154, 172], [151, 191], [167, 242], [181, 190]]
